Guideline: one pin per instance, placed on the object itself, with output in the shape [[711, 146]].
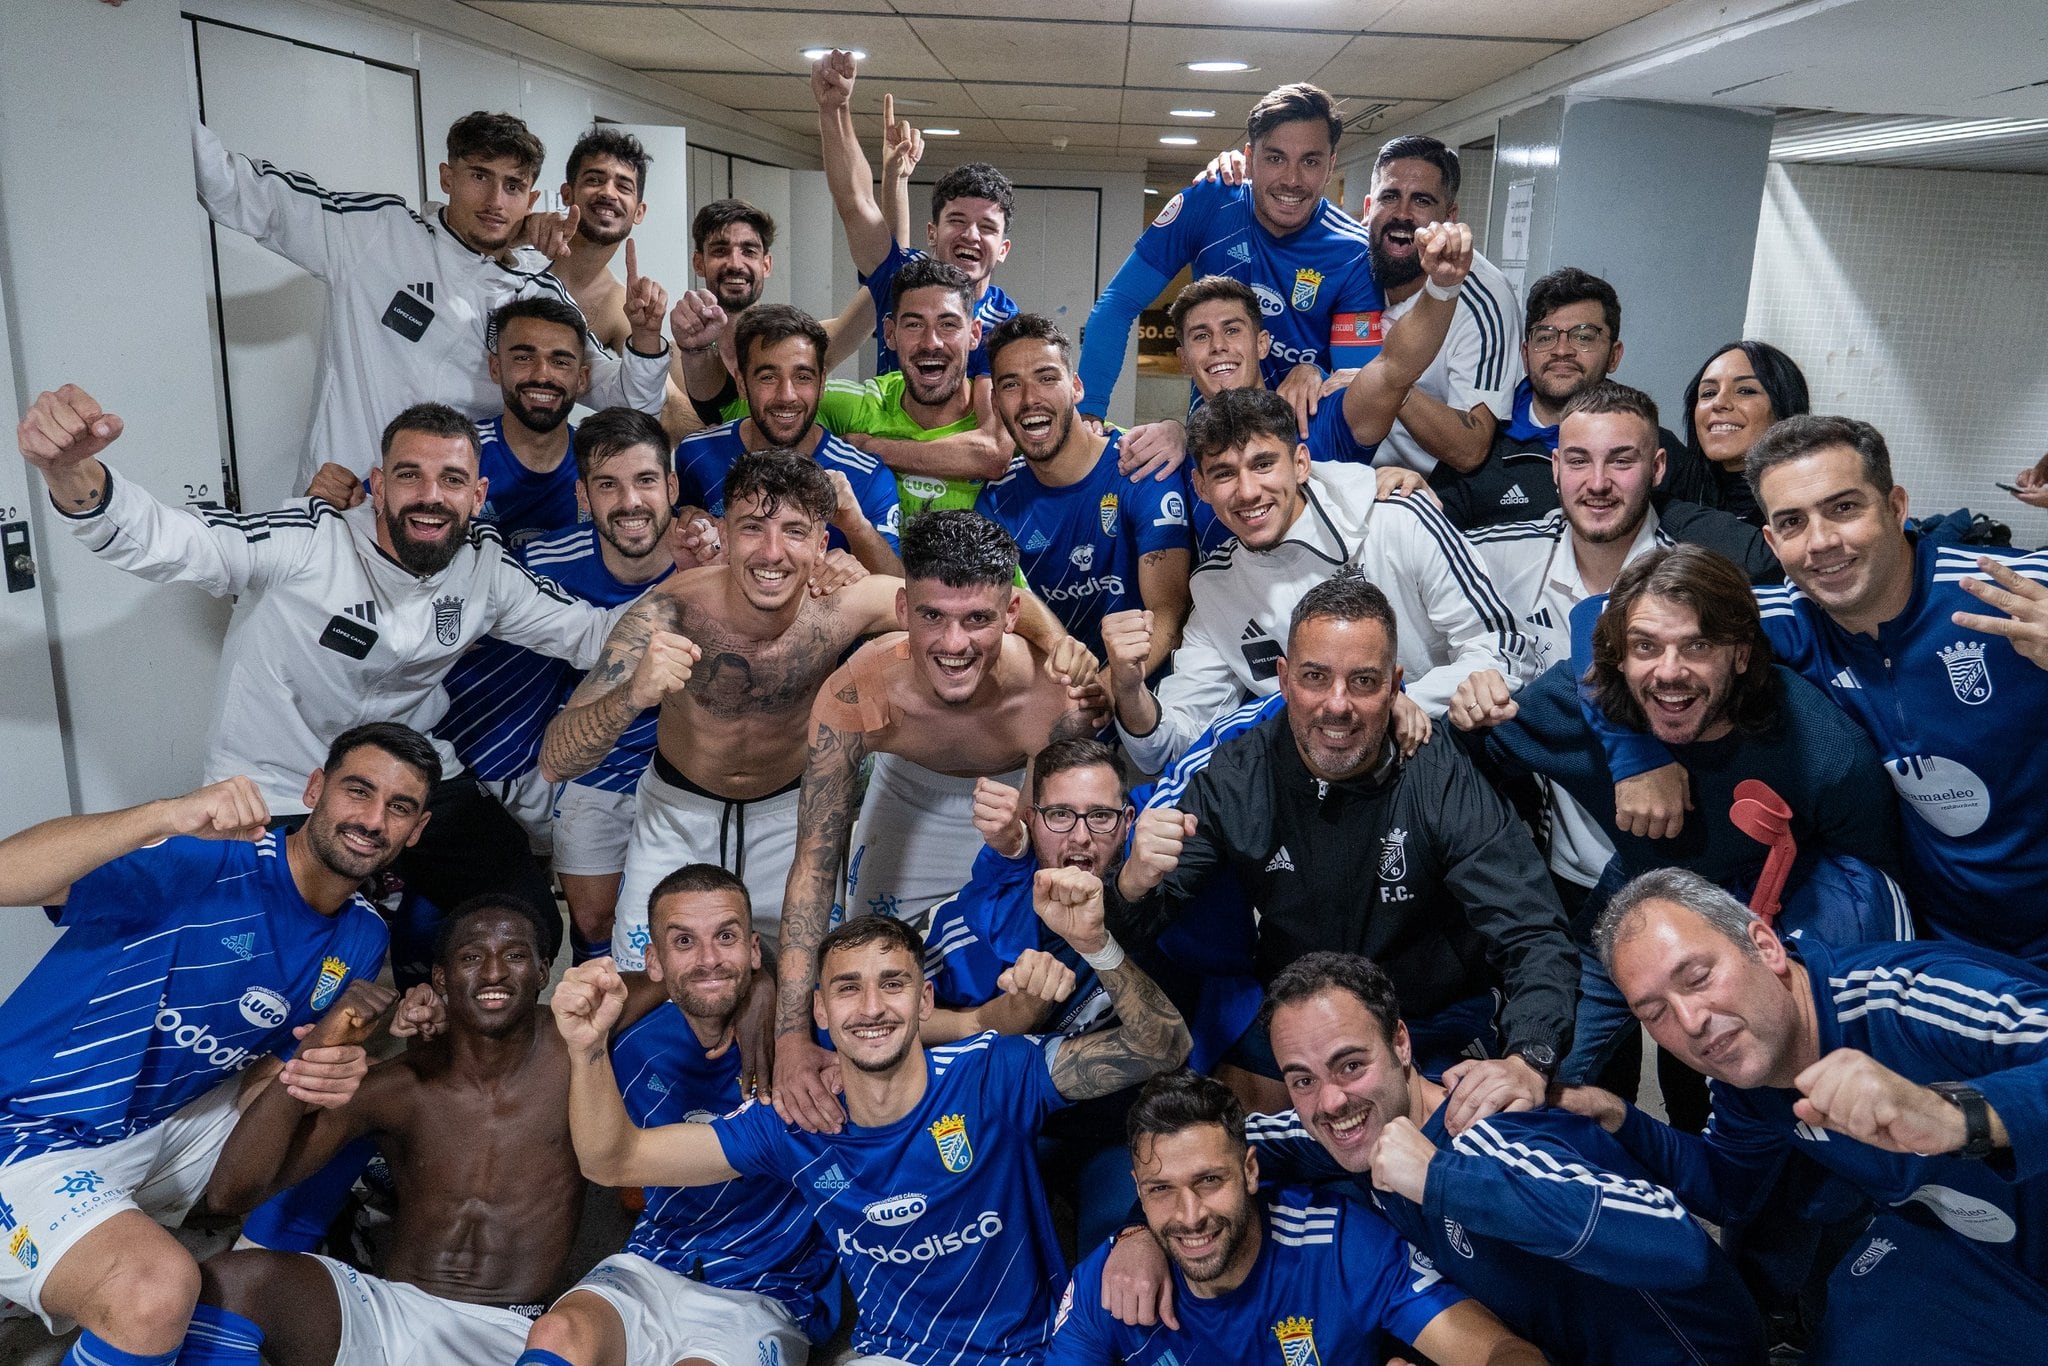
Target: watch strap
[[1976, 1116]]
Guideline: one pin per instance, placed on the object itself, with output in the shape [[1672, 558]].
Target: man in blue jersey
[[780, 355], [928, 1194], [1313, 1277], [1538, 1215], [1305, 258], [195, 943], [1091, 540], [1918, 1073], [714, 1273], [1914, 640]]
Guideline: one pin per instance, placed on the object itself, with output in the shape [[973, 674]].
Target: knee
[[144, 1303], [576, 1330]]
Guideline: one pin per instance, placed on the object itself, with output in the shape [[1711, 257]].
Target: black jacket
[[1420, 866]]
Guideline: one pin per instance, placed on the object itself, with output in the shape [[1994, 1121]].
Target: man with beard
[[194, 942], [1323, 1277], [780, 354], [1303, 256], [1093, 540], [338, 615], [1539, 1215], [1450, 416], [605, 188], [735, 1272], [410, 300], [929, 1193], [474, 1126]]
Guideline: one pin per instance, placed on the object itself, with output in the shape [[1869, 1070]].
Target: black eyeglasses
[[1584, 337], [1060, 819]]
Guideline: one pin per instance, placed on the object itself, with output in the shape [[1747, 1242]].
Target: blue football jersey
[[749, 1234], [993, 307], [1313, 284], [939, 1220], [524, 505], [985, 927], [703, 458], [1080, 545], [180, 964], [1332, 1283]]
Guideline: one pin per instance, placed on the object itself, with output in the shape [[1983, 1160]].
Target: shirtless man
[[602, 187], [475, 1126], [732, 654], [954, 697]]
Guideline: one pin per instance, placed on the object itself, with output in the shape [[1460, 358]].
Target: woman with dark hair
[[1743, 388]]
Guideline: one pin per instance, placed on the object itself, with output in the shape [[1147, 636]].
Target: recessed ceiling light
[[813, 53], [1169, 141], [941, 132], [1193, 113], [1047, 108], [1150, 190], [1219, 66]]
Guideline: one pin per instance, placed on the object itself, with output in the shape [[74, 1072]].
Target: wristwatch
[[1540, 1056], [1976, 1117]]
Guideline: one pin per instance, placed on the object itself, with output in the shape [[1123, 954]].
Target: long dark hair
[[1784, 382]]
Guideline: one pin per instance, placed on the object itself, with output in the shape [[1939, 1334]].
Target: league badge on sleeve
[[333, 972], [950, 1133], [1297, 1337]]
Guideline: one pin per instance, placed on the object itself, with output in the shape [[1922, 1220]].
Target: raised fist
[[1156, 842], [1069, 901], [64, 428], [664, 668], [587, 1003], [231, 809], [1445, 250]]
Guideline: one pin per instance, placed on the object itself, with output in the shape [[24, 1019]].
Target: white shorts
[[669, 1317], [592, 828], [531, 800], [50, 1201], [674, 825], [915, 842], [390, 1323]]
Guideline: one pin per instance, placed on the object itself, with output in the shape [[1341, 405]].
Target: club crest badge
[[24, 1248], [1306, 283], [950, 1133], [332, 973], [1968, 675], [1107, 509], [1394, 855], [1297, 1337], [1871, 1256], [448, 620]]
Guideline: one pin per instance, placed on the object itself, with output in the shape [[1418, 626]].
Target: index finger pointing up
[[632, 266], [889, 115]]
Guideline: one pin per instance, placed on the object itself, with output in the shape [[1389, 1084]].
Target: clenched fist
[[587, 1003], [999, 816], [664, 668], [1156, 843], [1069, 901]]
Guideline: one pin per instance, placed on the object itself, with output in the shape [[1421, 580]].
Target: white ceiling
[[1101, 74]]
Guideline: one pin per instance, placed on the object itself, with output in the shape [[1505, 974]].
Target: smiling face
[[971, 234], [1681, 680], [956, 634], [871, 999], [1291, 165], [1407, 193], [1035, 394], [1733, 409], [492, 972], [1339, 678], [932, 336], [1605, 467], [1730, 1014], [426, 490], [1198, 1190], [783, 382], [771, 551], [704, 952], [365, 812], [1257, 489], [607, 190], [488, 198], [1221, 346], [1080, 790], [540, 371], [735, 265], [1561, 368], [1345, 1076], [629, 498], [1838, 537]]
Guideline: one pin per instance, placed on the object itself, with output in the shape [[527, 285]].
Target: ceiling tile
[[1097, 103], [1099, 11], [1564, 20], [757, 91], [631, 35], [820, 6], [780, 38], [1026, 50], [1159, 55], [1423, 68]]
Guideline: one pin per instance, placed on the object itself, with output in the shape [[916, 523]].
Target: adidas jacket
[[328, 631], [408, 304], [1421, 866], [1451, 621]]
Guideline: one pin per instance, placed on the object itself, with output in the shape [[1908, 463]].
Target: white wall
[[1912, 300]]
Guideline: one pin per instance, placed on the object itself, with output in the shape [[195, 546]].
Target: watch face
[[1542, 1057]]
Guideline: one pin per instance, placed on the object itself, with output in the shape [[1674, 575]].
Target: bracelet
[[1436, 291], [1107, 958]]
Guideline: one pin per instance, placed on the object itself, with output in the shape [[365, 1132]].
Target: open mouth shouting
[[1348, 1133]]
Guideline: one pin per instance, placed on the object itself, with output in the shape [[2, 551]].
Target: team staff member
[[1918, 1073], [1304, 257], [403, 586], [409, 301], [194, 942], [1343, 844], [1322, 1278]]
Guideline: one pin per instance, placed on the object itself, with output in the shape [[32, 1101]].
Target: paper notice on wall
[[1514, 230]]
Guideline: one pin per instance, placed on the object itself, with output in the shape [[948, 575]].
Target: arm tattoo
[[1150, 1038], [824, 815], [601, 708]]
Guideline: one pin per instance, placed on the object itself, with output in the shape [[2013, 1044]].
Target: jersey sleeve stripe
[[1493, 341], [1479, 589], [1942, 1002], [1618, 1193]]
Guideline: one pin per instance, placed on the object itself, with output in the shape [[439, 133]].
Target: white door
[[349, 124]]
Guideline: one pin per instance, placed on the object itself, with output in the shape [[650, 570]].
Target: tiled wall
[[1917, 301]]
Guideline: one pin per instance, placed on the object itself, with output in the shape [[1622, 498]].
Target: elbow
[[986, 455]]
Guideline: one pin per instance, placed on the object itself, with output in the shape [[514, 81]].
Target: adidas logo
[[1809, 1133], [1241, 252], [657, 1086], [1252, 631], [1514, 497], [242, 946], [425, 290], [364, 611], [1541, 617], [1281, 862], [832, 1179], [1037, 543], [1845, 679]]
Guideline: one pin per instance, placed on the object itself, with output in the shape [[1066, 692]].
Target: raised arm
[[285, 210], [645, 658], [1150, 1036], [38, 865], [847, 172], [639, 377], [1373, 399]]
